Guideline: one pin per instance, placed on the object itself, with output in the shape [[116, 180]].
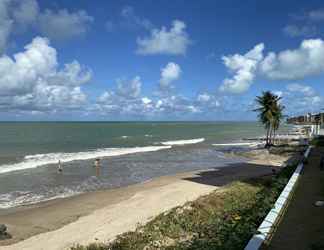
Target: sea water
[[130, 152]]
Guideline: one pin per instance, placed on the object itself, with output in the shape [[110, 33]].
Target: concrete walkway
[[303, 224]]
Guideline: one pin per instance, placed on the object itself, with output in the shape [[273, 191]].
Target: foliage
[[269, 114], [318, 141]]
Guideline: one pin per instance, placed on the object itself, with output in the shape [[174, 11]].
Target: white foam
[[17, 198], [251, 144], [21, 198], [183, 142], [33, 161]]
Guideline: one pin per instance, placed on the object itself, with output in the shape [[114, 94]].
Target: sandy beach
[[100, 216]]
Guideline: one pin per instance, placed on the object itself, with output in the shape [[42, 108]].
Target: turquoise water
[[130, 152]]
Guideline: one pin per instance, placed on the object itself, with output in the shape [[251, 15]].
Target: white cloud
[[129, 89], [25, 12], [126, 90], [18, 15], [278, 93], [244, 68], [125, 100], [6, 24], [146, 100], [171, 105], [5, 30], [21, 73], [304, 89], [162, 41], [307, 60], [73, 74], [301, 98], [207, 102], [295, 31], [175, 105], [169, 74], [131, 20], [203, 97], [63, 24], [111, 102], [31, 80], [316, 15]]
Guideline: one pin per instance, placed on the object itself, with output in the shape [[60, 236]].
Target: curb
[[266, 227]]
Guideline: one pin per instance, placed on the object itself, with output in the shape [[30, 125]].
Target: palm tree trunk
[[267, 138], [270, 136]]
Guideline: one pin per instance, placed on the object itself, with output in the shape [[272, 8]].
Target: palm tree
[[270, 114], [277, 118]]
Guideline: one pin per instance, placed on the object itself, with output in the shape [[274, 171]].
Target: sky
[[158, 60]]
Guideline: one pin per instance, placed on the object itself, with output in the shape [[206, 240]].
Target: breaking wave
[[19, 198], [33, 161], [183, 142], [238, 144]]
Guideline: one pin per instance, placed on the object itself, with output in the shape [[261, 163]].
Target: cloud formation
[[304, 61], [244, 69], [63, 25], [129, 89], [32, 81], [306, 24], [298, 31], [130, 103], [5, 25], [25, 12], [301, 98], [316, 15], [16, 15], [169, 74], [293, 64], [131, 20], [125, 100], [300, 88], [174, 41]]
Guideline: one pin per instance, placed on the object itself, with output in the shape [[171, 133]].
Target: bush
[[318, 141]]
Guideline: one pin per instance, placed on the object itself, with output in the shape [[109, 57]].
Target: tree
[[269, 114], [277, 118]]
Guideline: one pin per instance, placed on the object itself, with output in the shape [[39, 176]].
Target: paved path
[[303, 223]]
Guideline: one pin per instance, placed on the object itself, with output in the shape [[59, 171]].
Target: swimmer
[[60, 169]]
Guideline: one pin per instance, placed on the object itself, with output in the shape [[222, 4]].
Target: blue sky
[[157, 60]]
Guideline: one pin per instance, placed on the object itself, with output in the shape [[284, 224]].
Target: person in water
[[60, 169], [97, 166], [97, 163]]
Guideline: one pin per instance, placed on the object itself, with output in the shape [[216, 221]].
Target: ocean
[[130, 152]]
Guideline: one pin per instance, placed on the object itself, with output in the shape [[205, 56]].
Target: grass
[[224, 219]]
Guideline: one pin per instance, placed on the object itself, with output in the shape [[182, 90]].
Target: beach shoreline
[[101, 213]]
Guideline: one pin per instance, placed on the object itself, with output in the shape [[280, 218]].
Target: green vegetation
[[318, 141], [269, 114], [224, 219]]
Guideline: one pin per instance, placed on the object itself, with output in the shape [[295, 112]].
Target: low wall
[[272, 218]]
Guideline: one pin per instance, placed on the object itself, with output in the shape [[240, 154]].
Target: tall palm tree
[[270, 114]]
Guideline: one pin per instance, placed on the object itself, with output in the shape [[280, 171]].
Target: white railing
[[271, 219]]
